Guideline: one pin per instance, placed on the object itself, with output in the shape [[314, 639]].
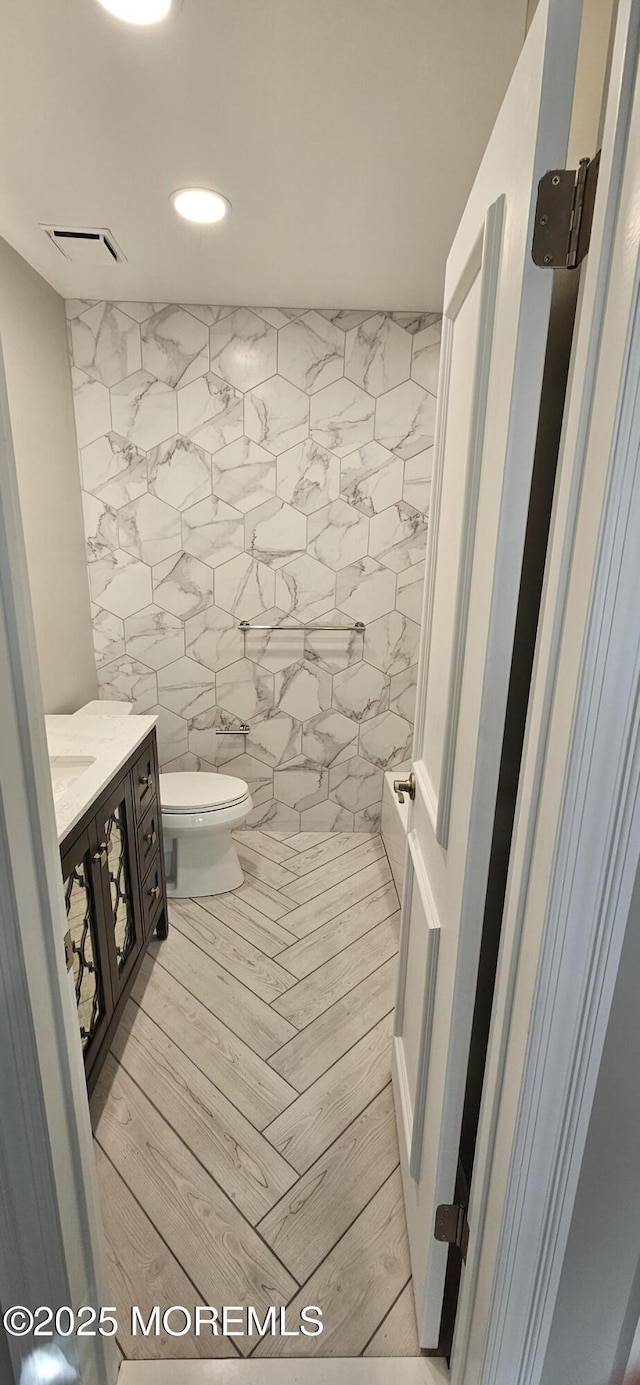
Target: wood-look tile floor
[[244, 1127]]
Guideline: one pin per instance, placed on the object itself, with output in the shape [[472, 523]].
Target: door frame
[[539, 1122], [51, 1249]]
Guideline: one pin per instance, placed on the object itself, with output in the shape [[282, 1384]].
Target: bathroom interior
[[225, 507]]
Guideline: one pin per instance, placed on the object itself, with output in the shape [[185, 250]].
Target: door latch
[[405, 786]]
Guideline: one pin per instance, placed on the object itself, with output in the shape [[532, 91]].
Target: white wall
[[34, 345]]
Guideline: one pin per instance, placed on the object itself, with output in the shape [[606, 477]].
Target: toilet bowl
[[199, 812]]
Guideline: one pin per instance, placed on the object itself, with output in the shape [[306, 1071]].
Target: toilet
[[199, 813]]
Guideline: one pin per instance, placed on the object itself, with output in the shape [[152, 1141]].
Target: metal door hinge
[[452, 1226], [68, 950], [564, 214]]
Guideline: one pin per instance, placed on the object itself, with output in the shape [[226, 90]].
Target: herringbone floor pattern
[[244, 1125]]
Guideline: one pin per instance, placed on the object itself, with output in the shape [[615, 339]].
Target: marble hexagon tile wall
[[260, 464]]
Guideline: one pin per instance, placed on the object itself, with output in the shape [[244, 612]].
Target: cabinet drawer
[[152, 895], [145, 781], [149, 837]]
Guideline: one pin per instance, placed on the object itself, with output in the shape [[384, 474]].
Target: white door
[[494, 336]]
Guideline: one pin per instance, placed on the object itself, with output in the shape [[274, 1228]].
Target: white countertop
[[107, 741]]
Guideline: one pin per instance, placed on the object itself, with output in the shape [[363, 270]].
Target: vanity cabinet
[[115, 894]]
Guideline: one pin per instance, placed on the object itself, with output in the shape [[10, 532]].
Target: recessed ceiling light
[[138, 11], [200, 204]]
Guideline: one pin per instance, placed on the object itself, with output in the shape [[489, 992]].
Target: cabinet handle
[[154, 891], [102, 854], [151, 837], [146, 781]]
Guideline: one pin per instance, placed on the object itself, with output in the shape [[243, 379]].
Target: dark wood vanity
[[115, 894]]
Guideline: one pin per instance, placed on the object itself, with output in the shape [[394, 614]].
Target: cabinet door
[[116, 830], [83, 895]]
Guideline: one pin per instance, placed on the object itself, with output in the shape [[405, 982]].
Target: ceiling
[[346, 134]]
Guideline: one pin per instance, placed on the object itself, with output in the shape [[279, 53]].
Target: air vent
[[93, 245]]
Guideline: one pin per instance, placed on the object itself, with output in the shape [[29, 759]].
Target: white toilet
[[199, 813]]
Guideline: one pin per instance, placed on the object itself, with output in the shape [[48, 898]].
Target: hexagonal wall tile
[[365, 590], [125, 680], [342, 417], [403, 693], [409, 595], [210, 411], [386, 740], [326, 817], [405, 419], [243, 474], [257, 775], [143, 409], [149, 529], [183, 585], [334, 650], [175, 346], [310, 352], [372, 478], [378, 354], [100, 527], [213, 531], [276, 414], [305, 588], [416, 488], [328, 737], [114, 469], [202, 736], [398, 536], [355, 783], [244, 688], [273, 816], [274, 737], [108, 636], [275, 649], [186, 687], [120, 583], [391, 643], [338, 534], [300, 784], [308, 476], [179, 472], [303, 690], [154, 636], [426, 357], [213, 638], [91, 407], [275, 533], [243, 349], [361, 691], [105, 344], [172, 735], [244, 587]]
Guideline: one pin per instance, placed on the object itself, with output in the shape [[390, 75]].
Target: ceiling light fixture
[[200, 204], [138, 11]]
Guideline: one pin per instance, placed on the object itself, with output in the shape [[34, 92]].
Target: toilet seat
[[195, 792]]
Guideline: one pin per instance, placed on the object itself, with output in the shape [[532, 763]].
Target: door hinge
[[564, 214], [68, 950], [452, 1226]]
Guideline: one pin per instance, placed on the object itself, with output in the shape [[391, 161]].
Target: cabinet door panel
[[84, 905], [123, 921]]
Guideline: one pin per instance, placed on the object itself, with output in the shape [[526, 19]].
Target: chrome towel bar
[[358, 626]]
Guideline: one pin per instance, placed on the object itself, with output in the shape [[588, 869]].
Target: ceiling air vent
[[93, 245]]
